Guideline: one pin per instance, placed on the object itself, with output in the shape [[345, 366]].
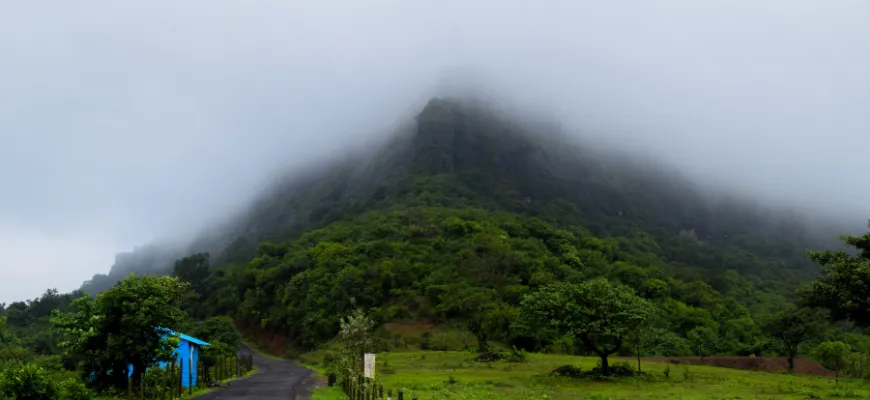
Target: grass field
[[455, 375]]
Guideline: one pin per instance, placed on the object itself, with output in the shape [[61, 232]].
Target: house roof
[[185, 337]]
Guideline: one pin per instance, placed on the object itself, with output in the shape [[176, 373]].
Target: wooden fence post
[[168, 380], [189, 376], [180, 380]]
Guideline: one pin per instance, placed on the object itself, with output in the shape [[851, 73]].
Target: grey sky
[[122, 122]]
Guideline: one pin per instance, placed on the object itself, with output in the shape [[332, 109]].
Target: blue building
[[186, 356]]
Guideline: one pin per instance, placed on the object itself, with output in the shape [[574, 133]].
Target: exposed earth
[[802, 365], [274, 379]]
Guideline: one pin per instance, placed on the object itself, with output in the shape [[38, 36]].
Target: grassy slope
[[424, 375]]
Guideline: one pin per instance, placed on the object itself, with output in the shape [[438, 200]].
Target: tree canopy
[[599, 314], [122, 327], [844, 288]]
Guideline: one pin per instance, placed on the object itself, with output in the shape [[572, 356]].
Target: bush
[[74, 389], [488, 356], [569, 371], [516, 355], [158, 381], [29, 382]]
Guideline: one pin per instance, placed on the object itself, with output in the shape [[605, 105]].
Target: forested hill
[[461, 154]]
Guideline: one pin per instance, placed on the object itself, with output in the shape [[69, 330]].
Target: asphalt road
[[274, 379]]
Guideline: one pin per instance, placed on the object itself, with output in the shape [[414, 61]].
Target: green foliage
[[450, 339], [516, 355], [791, 328], [28, 382], [355, 339], [843, 288], [703, 338], [74, 389], [120, 327], [834, 356], [598, 313]]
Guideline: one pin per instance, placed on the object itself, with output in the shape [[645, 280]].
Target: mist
[[122, 123]]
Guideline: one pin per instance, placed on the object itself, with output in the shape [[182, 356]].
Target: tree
[[599, 314], [355, 337], [860, 345], [843, 289], [193, 269], [6, 341], [834, 356], [223, 337], [792, 327], [121, 327], [702, 337]]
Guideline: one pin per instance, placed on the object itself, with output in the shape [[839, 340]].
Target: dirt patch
[[771, 364], [409, 328], [270, 342]]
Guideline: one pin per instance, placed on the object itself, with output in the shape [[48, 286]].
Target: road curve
[[274, 380]]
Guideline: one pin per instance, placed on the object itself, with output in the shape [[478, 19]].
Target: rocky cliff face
[[496, 158]]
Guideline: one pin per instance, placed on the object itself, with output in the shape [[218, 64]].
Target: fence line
[[169, 382], [365, 389]]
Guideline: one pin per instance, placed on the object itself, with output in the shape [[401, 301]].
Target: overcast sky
[[122, 122]]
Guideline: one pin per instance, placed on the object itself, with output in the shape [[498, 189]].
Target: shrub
[[488, 356], [29, 382], [74, 389], [516, 355], [567, 371]]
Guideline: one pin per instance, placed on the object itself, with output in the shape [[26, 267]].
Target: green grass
[[425, 375], [328, 393]]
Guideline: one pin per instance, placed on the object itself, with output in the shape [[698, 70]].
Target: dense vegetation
[[470, 222]]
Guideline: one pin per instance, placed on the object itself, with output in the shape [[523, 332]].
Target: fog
[[122, 122]]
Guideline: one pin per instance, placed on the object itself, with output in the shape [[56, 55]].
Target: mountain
[[465, 210], [507, 164]]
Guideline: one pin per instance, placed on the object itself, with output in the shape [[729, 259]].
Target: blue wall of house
[[186, 357]]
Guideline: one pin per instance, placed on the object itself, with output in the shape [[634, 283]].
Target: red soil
[[409, 328], [270, 342], [801, 365]]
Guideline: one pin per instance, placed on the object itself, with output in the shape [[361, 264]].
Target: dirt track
[[802, 365], [274, 380]]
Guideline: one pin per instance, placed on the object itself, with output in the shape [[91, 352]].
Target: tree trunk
[[791, 355], [638, 357], [605, 368]]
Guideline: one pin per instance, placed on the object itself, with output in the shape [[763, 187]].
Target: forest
[[468, 222]]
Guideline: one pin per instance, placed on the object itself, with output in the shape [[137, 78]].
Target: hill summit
[[479, 156]]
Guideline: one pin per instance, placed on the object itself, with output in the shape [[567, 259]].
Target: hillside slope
[[498, 163]]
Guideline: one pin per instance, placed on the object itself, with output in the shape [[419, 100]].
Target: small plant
[[516, 355], [686, 374], [451, 380], [569, 371]]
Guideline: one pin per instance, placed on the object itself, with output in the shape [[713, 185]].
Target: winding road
[[274, 380]]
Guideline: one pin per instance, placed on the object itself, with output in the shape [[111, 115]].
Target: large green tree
[[193, 269], [834, 356], [791, 328], [121, 328], [845, 287], [597, 313]]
